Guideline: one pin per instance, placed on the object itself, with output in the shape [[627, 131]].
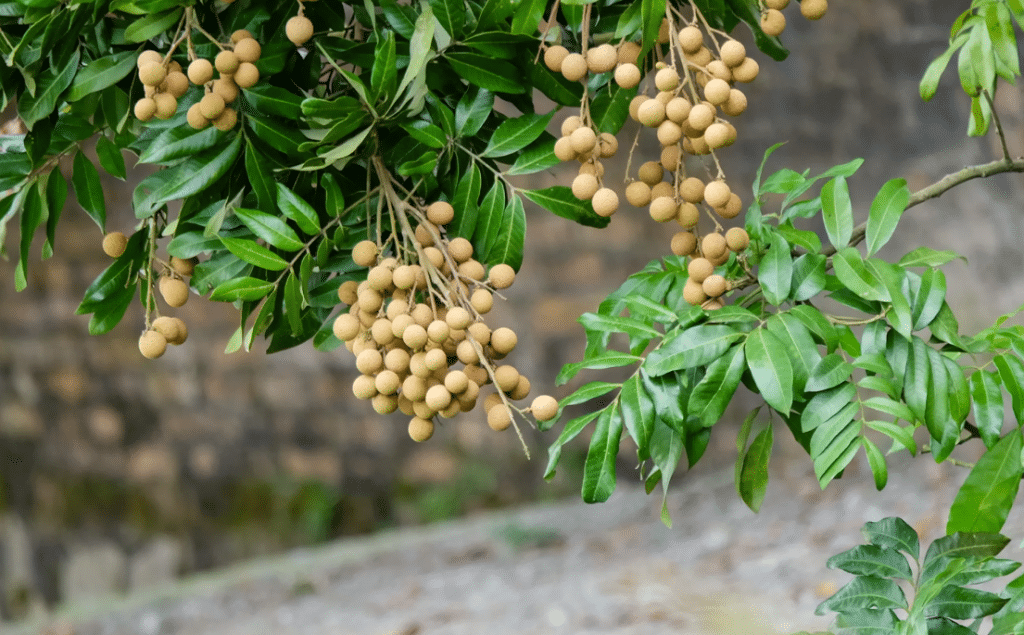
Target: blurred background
[[118, 473]]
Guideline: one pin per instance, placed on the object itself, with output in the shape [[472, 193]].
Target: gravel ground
[[561, 568]]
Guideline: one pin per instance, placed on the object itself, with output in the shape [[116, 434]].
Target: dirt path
[[563, 568]]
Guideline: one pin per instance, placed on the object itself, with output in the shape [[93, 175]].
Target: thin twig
[[999, 125]]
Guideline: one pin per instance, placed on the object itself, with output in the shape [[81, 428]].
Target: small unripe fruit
[[663, 209], [583, 140], [247, 75], [601, 59], [638, 194], [627, 75], [114, 244], [716, 193], [248, 50], [773, 22], [152, 74], [651, 113], [501, 276], [605, 202], [298, 29], [420, 429], [554, 56], [173, 290], [584, 186], [693, 293], [498, 418], [152, 344], [166, 105], [692, 190], [813, 9], [684, 243], [747, 71], [737, 239], [574, 67], [715, 285], [364, 253], [713, 246]]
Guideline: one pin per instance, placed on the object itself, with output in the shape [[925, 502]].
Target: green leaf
[[987, 405], [808, 277], [893, 533], [826, 405], [771, 369], [932, 74], [254, 253], [586, 392], [261, 179], [892, 277], [599, 468], [986, 497], [102, 73], [560, 201], [837, 211], [797, 342], [451, 15], [293, 304], [35, 106], [88, 190], [487, 73], [507, 240], [528, 14], [537, 157], [637, 409], [1011, 372], [426, 133], [876, 460], [688, 348], [886, 210], [384, 73], [196, 174], [298, 210], [928, 257], [618, 324], [929, 298], [610, 109], [607, 359], [903, 435], [177, 143], [465, 203], [282, 138], [865, 593], [472, 111], [830, 371], [872, 560], [274, 100], [959, 603], [775, 272], [515, 134], [754, 473], [245, 288], [419, 46], [714, 391], [855, 276], [270, 228], [151, 25], [652, 12], [569, 432], [110, 157], [489, 218]]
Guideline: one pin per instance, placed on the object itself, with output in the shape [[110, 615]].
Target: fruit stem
[[151, 257]]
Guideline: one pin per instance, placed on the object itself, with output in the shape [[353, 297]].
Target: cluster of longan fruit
[[164, 330], [603, 58], [236, 67], [773, 22], [408, 340], [580, 143], [164, 85]]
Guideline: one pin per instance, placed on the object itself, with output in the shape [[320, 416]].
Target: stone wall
[[117, 472]]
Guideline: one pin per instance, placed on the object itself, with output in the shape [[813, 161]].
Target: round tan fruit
[[693, 293], [553, 57], [347, 292], [669, 133], [173, 290], [716, 193], [719, 70], [717, 136], [663, 209], [149, 57], [601, 59], [651, 113], [346, 327], [169, 328], [678, 109], [747, 71], [175, 83], [638, 194], [440, 213], [194, 117], [114, 244], [702, 57], [813, 9], [699, 269], [226, 88], [152, 344], [506, 377], [571, 124], [737, 239], [715, 285], [690, 39], [736, 104], [717, 91], [670, 158], [364, 253], [651, 172], [247, 75], [183, 266], [564, 150], [607, 146], [145, 109], [692, 190], [733, 53], [605, 202], [211, 105], [420, 429], [482, 301], [667, 79], [459, 318], [298, 29], [634, 106], [583, 140], [166, 105], [778, 5], [501, 276], [438, 397], [701, 116], [732, 208], [684, 243], [574, 67], [240, 35], [248, 50], [226, 62], [663, 189], [713, 246], [498, 418], [627, 75], [584, 186], [773, 22], [152, 74], [227, 120], [364, 387], [544, 408]]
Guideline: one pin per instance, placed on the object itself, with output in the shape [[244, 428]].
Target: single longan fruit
[[211, 105], [166, 105], [773, 22], [145, 109], [506, 377], [715, 285], [226, 88], [182, 331], [638, 194], [669, 133], [423, 234], [440, 213], [699, 269], [651, 113], [688, 215], [607, 146], [733, 53], [226, 62], [385, 404], [554, 56], [347, 292], [460, 249], [663, 32], [195, 118], [584, 186], [702, 57], [346, 327], [240, 35], [175, 83], [422, 314], [716, 193], [364, 387], [692, 190], [381, 332], [183, 266], [690, 39], [813, 9], [247, 75], [574, 67], [605, 202], [628, 53], [227, 120], [456, 382], [149, 57], [501, 276], [152, 74], [522, 389], [152, 344], [435, 256], [415, 337], [379, 278], [732, 208], [651, 173], [701, 116], [299, 29], [670, 158], [571, 124], [717, 136], [498, 418], [736, 105], [365, 253], [420, 429], [713, 246], [544, 408], [459, 318], [369, 361], [717, 91], [627, 75], [747, 71], [438, 331], [776, 4], [482, 301], [667, 79], [663, 189], [481, 333], [114, 244], [684, 243], [601, 59], [564, 150], [719, 70], [504, 340], [634, 106], [583, 140], [397, 360], [663, 209], [248, 50], [693, 293], [169, 327], [387, 382], [678, 109], [737, 239], [438, 397], [466, 353], [173, 290]]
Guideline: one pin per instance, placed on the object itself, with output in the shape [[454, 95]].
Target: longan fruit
[[240, 35], [651, 113], [736, 104], [423, 234], [183, 266], [170, 328], [684, 243], [440, 213], [733, 53], [716, 193], [364, 253], [298, 29], [663, 209], [663, 32], [458, 317], [145, 109], [175, 83], [663, 189], [227, 120], [211, 105], [747, 71], [173, 290], [638, 194], [226, 62], [414, 336], [605, 202], [634, 106], [627, 75], [498, 418], [813, 9], [714, 285], [456, 382], [364, 387], [435, 256], [504, 340], [248, 50], [717, 91], [628, 53], [379, 278], [690, 39], [692, 190], [702, 57], [574, 67], [678, 109], [420, 429], [226, 88], [247, 75], [492, 400], [370, 300], [438, 397], [718, 70], [571, 124], [717, 136], [438, 331], [693, 293], [554, 56], [669, 133], [666, 79], [737, 239], [688, 215], [651, 172], [152, 344], [346, 327], [506, 377], [466, 353], [414, 386], [149, 57], [422, 410], [701, 116], [482, 301], [387, 382], [776, 4], [347, 292], [369, 361], [732, 208], [114, 244], [481, 333], [583, 140], [607, 146], [473, 270], [381, 332], [522, 389], [564, 150], [460, 249], [699, 269], [601, 59], [501, 276], [194, 117], [166, 105], [584, 186], [385, 404], [152, 74], [773, 22], [670, 157], [712, 305], [713, 246], [422, 314]]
